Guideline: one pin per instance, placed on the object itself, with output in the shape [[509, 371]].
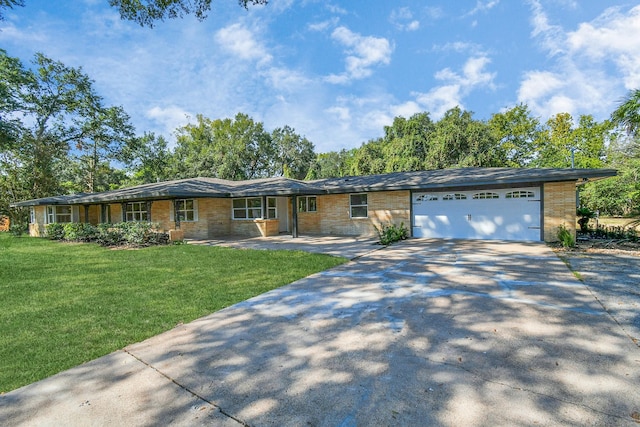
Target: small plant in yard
[[392, 233], [585, 215], [565, 237]]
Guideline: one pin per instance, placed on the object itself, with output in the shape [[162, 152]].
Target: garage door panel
[[506, 214]]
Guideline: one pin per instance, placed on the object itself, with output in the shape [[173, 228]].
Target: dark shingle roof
[[280, 186]]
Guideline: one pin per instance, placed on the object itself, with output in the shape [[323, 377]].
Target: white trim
[[247, 209], [365, 205]]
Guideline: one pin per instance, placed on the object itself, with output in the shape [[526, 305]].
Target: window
[[272, 211], [455, 196], [426, 198], [59, 214], [137, 211], [249, 208], [187, 210], [520, 195], [32, 216], [486, 196], [307, 204], [358, 204]]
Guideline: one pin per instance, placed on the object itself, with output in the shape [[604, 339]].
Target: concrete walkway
[[421, 333]]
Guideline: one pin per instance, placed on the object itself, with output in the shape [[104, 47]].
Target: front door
[[282, 204]]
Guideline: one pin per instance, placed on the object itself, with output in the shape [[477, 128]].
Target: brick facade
[[214, 215], [333, 216], [559, 209]]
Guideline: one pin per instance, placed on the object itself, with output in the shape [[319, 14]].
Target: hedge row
[[119, 234]]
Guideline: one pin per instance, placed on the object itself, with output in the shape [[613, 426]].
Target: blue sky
[[339, 71]]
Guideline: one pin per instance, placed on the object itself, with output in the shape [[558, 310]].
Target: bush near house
[[138, 234], [392, 233]]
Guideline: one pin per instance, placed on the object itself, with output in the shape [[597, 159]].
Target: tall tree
[[148, 159], [294, 153], [562, 142], [461, 141], [516, 132], [627, 114], [406, 142], [147, 12], [233, 149], [53, 110], [333, 164]]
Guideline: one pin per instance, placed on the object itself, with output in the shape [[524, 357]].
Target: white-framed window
[[187, 209], [58, 214], [248, 208], [137, 211], [520, 195], [455, 196], [426, 198], [358, 206], [32, 216], [272, 208], [307, 204], [486, 195]]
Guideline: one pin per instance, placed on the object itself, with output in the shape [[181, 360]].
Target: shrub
[[55, 231], [565, 237], [130, 233], [80, 232], [392, 233], [585, 215]]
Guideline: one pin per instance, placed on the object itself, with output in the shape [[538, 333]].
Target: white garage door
[[505, 214]]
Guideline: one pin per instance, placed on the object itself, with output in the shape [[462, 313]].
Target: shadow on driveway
[[424, 332]]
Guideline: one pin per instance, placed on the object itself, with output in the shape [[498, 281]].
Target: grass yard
[[65, 304]]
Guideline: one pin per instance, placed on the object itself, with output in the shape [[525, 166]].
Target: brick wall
[[333, 215], [4, 223], [559, 209]]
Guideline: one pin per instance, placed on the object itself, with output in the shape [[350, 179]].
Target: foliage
[[63, 305], [148, 12], [333, 164], [565, 237], [391, 233], [57, 121], [55, 231], [585, 215], [139, 234], [9, 4], [627, 114], [516, 133], [627, 232], [294, 153], [235, 149], [148, 159]]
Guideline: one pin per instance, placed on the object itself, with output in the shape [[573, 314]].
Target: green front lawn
[[65, 304]]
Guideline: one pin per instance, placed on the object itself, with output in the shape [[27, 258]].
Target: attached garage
[[505, 214]]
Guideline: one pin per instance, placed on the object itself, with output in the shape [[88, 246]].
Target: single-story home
[[469, 203]]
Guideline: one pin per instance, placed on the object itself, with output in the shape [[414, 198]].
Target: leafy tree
[[461, 141], [369, 159], [560, 138], [54, 110], [235, 149], [627, 114], [147, 12], [333, 164], [406, 142], [294, 153], [516, 132], [9, 4], [148, 159]]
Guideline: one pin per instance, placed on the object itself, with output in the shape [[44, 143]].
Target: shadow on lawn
[[421, 333]]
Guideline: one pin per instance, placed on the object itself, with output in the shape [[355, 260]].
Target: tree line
[[57, 136]]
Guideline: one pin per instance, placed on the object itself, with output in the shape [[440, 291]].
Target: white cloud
[[363, 53], [324, 25], [168, 119], [595, 60], [457, 86], [403, 19], [240, 41], [483, 6]]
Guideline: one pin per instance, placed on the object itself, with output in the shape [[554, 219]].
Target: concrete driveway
[[421, 333]]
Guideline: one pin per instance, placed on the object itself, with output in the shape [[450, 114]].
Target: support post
[[294, 216]]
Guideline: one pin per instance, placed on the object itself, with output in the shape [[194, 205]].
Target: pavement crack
[[188, 390]]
